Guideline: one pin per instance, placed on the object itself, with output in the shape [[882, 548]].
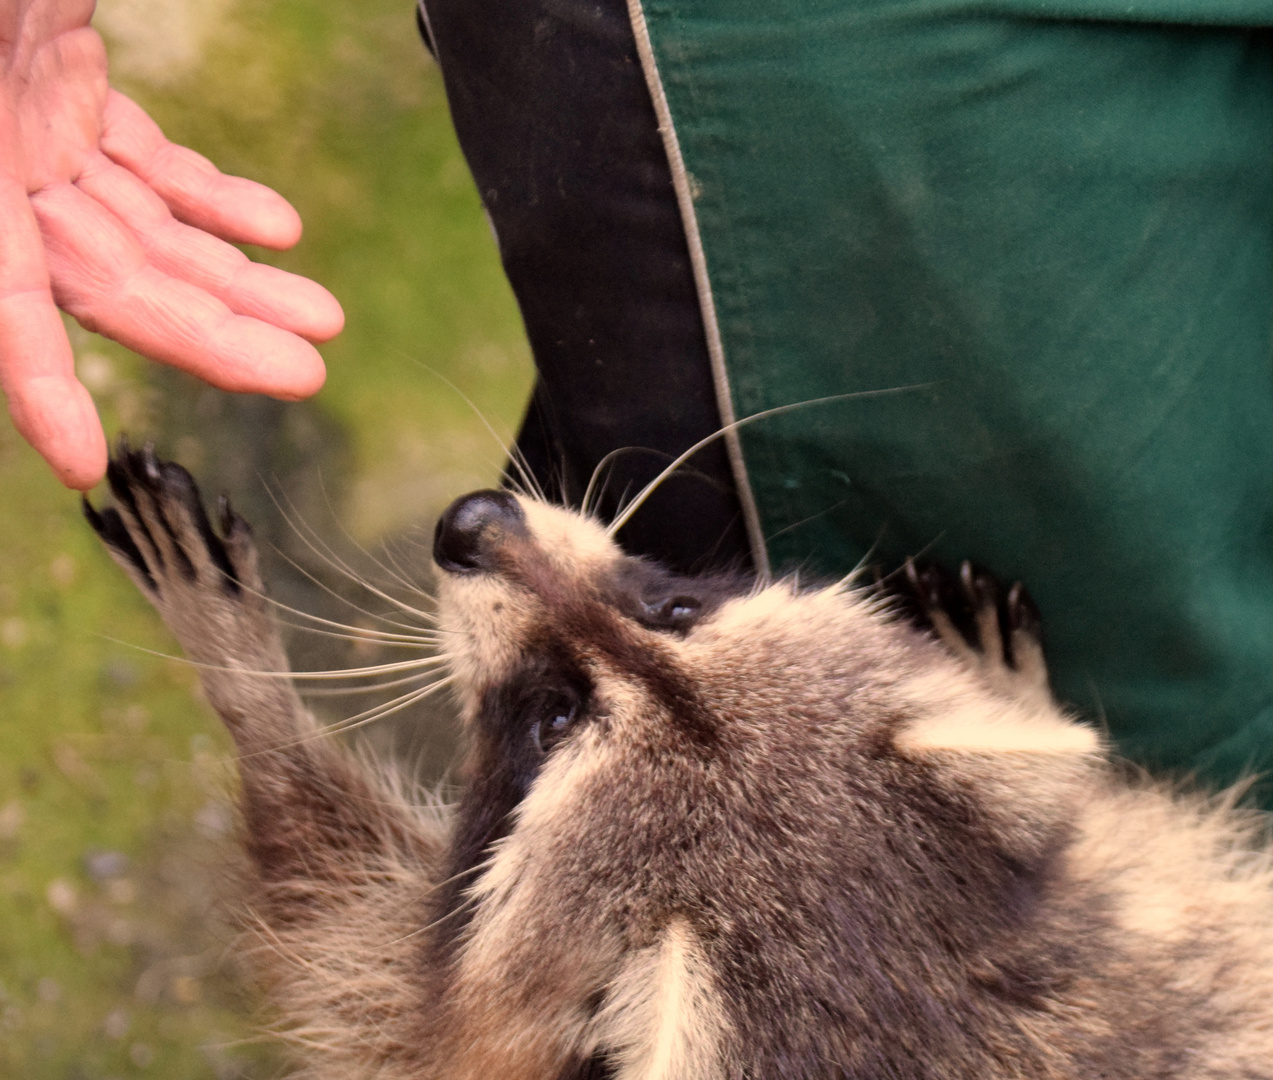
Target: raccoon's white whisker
[[310, 536], [860, 566], [388, 708], [400, 575], [510, 450], [594, 491], [403, 665], [525, 479], [358, 636], [384, 708], [368, 688], [426, 636], [361, 610], [650, 488], [469, 871], [464, 905], [185, 661], [324, 552], [419, 636], [368, 716], [394, 573], [460, 908], [424, 663], [525, 476], [769, 537], [586, 504]]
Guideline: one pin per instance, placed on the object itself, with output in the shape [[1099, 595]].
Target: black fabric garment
[[555, 119]]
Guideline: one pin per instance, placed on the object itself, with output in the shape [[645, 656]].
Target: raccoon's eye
[[676, 611], [553, 725]]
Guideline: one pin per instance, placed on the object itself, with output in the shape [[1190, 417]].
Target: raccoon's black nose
[[469, 531]]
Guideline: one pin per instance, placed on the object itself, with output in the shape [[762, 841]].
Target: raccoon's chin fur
[[713, 829]]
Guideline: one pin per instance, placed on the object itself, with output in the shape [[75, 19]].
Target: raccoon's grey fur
[[711, 830]]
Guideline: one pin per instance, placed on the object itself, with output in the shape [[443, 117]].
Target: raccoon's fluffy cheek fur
[[482, 621]]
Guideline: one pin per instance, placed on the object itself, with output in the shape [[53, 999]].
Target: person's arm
[[102, 216]]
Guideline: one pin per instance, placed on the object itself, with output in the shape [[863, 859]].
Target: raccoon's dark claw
[[985, 602], [999, 635], [943, 604], [931, 585], [110, 527], [1025, 637], [1023, 613], [159, 526], [981, 588]]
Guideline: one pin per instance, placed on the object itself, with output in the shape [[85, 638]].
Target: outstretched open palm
[[102, 216]]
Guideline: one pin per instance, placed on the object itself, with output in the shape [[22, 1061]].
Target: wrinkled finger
[[196, 191], [56, 415], [263, 292], [50, 409], [100, 275]]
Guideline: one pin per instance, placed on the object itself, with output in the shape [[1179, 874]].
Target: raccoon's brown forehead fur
[[711, 830]]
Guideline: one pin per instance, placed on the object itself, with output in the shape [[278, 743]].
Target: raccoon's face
[[694, 805]]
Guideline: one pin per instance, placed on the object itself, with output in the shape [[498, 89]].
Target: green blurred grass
[[112, 969]]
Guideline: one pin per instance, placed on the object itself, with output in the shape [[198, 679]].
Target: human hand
[[104, 217]]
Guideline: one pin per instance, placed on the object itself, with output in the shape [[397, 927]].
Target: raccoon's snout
[[471, 529]]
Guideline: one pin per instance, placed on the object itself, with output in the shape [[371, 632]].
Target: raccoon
[[712, 828]]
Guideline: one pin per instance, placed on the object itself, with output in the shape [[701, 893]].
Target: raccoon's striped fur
[[711, 829]]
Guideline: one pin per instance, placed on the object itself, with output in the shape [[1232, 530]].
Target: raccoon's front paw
[[999, 635], [206, 587]]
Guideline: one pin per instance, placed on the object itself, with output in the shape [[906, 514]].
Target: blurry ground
[[113, 815]]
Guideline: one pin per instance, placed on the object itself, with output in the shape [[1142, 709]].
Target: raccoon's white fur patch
[[958, 715], [662, 1019], [576, 544], [782, 609], [558, 793], [481, 622]]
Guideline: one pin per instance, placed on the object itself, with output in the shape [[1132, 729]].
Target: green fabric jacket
[[1049, 225]]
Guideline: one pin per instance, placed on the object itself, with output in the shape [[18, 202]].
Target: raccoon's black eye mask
[[520, 722], [551, 716], [533, 710]]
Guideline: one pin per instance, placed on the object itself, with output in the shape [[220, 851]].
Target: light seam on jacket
[[703, 285]]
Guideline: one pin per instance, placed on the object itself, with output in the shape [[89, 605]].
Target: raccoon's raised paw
[[997, 634], [206, 586]]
